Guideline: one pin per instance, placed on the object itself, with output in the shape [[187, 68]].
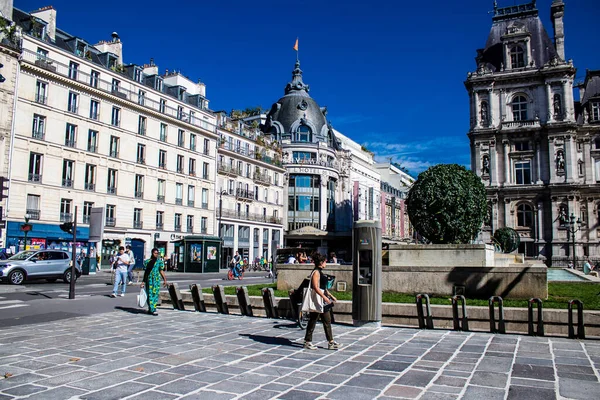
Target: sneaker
[[309, 346], [122, 295], [113, 295], [130, 283], [333, 346]]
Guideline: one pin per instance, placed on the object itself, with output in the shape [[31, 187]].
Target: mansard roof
[[591, 86]]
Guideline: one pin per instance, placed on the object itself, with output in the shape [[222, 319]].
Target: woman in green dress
[[154, 270]]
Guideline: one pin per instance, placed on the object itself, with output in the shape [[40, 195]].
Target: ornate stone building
[[528, 145]]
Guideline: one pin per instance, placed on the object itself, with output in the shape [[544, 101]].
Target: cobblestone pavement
[[185, 355]]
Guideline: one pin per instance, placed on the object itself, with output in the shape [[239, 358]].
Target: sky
[[390, 72]]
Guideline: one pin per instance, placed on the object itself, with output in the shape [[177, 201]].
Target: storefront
[[44, 236], [198, 254]]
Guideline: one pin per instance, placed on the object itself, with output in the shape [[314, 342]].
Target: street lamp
[[221, 193], [25, 228], [573, 227]]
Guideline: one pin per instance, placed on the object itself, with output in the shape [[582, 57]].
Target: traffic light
[[67, 227], [2, 78], [3, 186]]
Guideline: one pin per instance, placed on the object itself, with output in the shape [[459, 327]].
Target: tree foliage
[[508, 239], [447, 204]]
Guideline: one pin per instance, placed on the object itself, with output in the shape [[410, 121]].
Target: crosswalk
[[4, 304]]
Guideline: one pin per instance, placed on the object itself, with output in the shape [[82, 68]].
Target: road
[[40, 301]]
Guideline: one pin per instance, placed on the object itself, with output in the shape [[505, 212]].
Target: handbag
[[312, 302], [142, 298]]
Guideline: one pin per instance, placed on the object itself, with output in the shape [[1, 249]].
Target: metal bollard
[[293, 304], [465, 320], [580, 325], [269, 302], [425, 319], [220, 299], [198, 297], [501, 328], [244, 301], [176, 298], [540, 320]]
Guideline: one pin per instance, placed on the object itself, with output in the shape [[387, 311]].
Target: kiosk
[[366, 273]]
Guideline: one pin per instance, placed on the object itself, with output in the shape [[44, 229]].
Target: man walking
[[122, 263], [131, 265]]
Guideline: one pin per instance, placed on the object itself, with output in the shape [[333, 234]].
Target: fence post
[[465, 320], [244, 301], [425, 318], [198, 297], [580, 325], [501, 326], [269, 302], [176, 297], [540, 320], [220, 299]]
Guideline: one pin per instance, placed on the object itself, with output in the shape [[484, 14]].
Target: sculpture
[[557, 106], [485, 166], [560, 161], [484, 113]]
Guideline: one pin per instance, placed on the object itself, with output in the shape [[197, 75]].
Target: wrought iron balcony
[[114, 153], [86, 219], [38, 135], [205, 206], [40, 98], [180, 170], [242, 194], [139, 195], [159, 226], [92, 148], [191, 203], [33, 214], [162, 165], [141, 160], [262, 179], [72, 108], [179, 202], [138, 224], [177, 228], [111, 190], [160, 198], [110, 221], [190, 229], [66, 217], [35, 177], [203, 231], [90, 186], [69, 142]]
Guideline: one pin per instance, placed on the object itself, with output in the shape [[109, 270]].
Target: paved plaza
[[186, 355]]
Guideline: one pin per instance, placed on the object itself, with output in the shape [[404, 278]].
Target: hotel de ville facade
[[536, 149]]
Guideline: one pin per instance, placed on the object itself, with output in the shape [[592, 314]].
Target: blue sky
[[390, 72]]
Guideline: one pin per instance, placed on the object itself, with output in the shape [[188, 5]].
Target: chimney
[[48, 15], [6, 8], [201, 89], [114, 46], [557, 11]]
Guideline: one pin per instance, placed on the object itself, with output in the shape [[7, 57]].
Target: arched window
[[517, 57], [519, 108], [524, 216], [303, 134]]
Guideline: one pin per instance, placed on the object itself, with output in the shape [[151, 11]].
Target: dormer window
[[517, 57], [519, 108], [158, 84], [595, 114], [303, 134]]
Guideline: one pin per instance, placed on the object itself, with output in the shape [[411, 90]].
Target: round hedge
[[447, 204], [508, 239]]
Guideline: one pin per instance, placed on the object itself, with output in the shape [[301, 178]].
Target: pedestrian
[[318, 285], [154, 269], [131, 265], [333, 259], [122, 263]]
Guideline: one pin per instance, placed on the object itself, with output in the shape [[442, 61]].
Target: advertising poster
[[196, 252], [211, 252]]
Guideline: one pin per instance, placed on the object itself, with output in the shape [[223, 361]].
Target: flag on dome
[[296, 45]]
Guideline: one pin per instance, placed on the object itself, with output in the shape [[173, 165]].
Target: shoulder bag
[[312, 302]]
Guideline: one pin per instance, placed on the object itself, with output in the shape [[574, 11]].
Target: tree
[[447, 204]]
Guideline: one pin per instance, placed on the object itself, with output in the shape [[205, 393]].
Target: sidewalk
[[187, 355]]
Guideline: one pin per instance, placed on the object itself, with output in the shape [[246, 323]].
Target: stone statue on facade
[[560, 161], [485, 165], [557, 106], [484, 113]]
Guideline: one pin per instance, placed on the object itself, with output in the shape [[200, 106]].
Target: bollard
[[580, 326], [293, 303], [501, 327], [540, 320], [220, 299], [465, 320], [425, 319], [244, 301], [176, 298], [269, 302], [198, 298]]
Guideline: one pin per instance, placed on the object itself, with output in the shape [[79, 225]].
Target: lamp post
[[221, 193], [26, 227], [573, 227]]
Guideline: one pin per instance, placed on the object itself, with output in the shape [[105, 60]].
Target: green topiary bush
[[508, 239]]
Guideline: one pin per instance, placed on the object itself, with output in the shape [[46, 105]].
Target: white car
[[38, 264]]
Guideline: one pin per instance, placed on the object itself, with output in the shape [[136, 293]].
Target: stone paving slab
[[187, 355]]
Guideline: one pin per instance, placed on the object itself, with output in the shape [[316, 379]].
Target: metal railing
[[39, 98], [139, 195], [138, 224], [89, 186], [38, 135], [251, 217], [70, 143], [114, 154], [179, 202], [110, 221], [35, 178], [111, 190], [244, 194], [177, 228], [160, 197], [159, 226], [67, 183], [190, 203], [66, 217], [33, 214]]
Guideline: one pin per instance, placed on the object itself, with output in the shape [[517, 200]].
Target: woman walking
[[154, 270], [318, 287]]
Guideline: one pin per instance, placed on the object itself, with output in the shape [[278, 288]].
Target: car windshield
[[22, 255]]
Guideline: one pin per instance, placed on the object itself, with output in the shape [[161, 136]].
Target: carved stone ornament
[[303, 105]]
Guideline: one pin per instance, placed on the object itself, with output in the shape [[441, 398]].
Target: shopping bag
[[142, 298], [312, 302]]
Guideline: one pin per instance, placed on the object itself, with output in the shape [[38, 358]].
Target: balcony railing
[[86, 219], [177, 228], [139, 195], [110, 221], [66, 217], [33, 214], [141, 160], [35, 177], [38, 135], [228, 170], [111, 190], [89, 186], [262, 179], [162, 165], [115, 122], [520, 124], [160, 198], [205, 206], [191, 203], [40, 98], [250, 217], [92, 148], [114, 153], [204, 231], [72, 108], [69, 143], [312, 161], [180, 170], [276, 161], [138, 224], [159, 226], [67, 183], [242, 194], [190, 229], [94, 115], [179, 202]]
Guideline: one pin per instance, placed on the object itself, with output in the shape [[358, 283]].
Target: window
[[115, 85], [276, 178], [163, 132], [522, 146], [94, 78], [92, 143], [160, 195], [303, 134], [141, 96], [41, 92], [116, 116], [191, 196], [162, 159], [70, 135], [137, 218], [192, 166], [179, 164], [162, 105], [94, 109], [42, 54], [73, 104], [110, 215], [517, 57], [65, 210], [179, 194], [203, 224], [160, 219], [159, 85], [111, 182], [177, 224], [67, 173], [141, 154], [205, 170], [180, 138], [39, 127], [73, 70], [137, 75], [523, 172], [519, 108], [33, 206], [139, 186], [266, 195], [276, 197], [190, 223], [179, 112], [114, 146], [192, 142], [524, 216], [206, 149], [192, 117], [90, 177], [142, 125], [595, 114], [87, 211]]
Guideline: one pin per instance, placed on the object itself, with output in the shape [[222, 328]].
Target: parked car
[[38, 264]]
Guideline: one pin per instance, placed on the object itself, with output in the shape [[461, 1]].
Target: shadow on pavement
[[38, 294], [132, 310], [277, 341], [286, 326]]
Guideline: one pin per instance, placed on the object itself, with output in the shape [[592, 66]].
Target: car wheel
[[67, 276], [16, 277], [51, 280]]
